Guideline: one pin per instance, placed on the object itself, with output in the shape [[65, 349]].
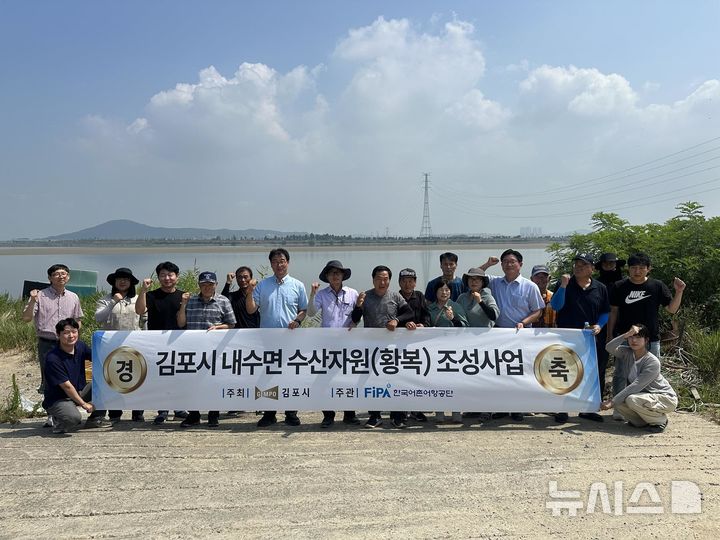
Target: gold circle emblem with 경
[[559, 369], [124, 370]]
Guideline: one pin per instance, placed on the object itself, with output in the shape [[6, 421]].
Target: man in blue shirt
[[282, 302]]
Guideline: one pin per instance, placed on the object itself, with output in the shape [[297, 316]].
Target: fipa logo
[[270, 393]]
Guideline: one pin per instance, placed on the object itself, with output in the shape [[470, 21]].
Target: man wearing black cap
[[335, 304], [582, 302], [610, 269], [206, 311]]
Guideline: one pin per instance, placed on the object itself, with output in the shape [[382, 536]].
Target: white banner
[[460, 369]]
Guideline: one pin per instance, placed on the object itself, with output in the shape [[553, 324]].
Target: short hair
[[241, 269], [449, 256], [55, 267], [639, 259], [440, 284], [60, 326], [279, 251], [508, 252], [643, 331], [381, 268], [167, 266]]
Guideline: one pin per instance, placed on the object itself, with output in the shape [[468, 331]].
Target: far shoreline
[[260, 248]]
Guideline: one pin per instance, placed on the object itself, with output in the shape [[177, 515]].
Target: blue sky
[[321, 116]]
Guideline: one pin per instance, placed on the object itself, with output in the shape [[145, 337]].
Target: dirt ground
[[471, 481]]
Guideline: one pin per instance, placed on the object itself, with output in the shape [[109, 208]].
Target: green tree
[[686, 246]]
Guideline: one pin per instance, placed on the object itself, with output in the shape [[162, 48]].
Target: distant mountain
[[124, 229]]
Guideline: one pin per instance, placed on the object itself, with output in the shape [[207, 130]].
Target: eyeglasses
[[59, 274]]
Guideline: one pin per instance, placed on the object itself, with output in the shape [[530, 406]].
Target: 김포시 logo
[[270, 393]]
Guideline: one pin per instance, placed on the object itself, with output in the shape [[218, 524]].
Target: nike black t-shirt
[[639, 304]]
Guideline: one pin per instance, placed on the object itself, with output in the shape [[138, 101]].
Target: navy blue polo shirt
[[583, 305], [61, 367]]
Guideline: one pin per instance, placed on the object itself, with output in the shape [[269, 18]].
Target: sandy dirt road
[[472, 481]]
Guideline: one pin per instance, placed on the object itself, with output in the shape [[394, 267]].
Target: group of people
[[622, 314]]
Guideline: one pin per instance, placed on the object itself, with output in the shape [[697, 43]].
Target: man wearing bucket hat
[[116, 311], [335, 304]]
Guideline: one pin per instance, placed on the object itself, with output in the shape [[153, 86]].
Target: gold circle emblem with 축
[[124, 370], [559, 369]]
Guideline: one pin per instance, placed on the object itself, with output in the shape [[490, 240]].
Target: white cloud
[[337, 147], [585, 92]]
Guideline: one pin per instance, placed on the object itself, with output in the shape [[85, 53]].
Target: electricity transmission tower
[[426, 229]]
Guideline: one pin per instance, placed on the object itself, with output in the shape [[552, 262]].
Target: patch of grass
[[11, 411], [14, 332], [703, 350]]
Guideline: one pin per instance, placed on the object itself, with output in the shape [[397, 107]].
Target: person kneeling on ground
[[648, 396], [66, 388]]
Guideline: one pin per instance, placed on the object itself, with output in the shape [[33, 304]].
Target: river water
[[17, 265]]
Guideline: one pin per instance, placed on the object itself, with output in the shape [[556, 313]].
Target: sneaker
[[398, 424], [50, 422], [618, 416], [516, 416], [180, 414], [213, 422], [135, 418], [418, 417], [374, 422], [58, 430], [292, 420], [190, 421], [160, 419], [267, 420], [327, 421], [92, 423], [656, 428], [561, 417], [351, 419], [595, 417]]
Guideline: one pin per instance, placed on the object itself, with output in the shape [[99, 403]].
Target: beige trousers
[[646, 408]]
